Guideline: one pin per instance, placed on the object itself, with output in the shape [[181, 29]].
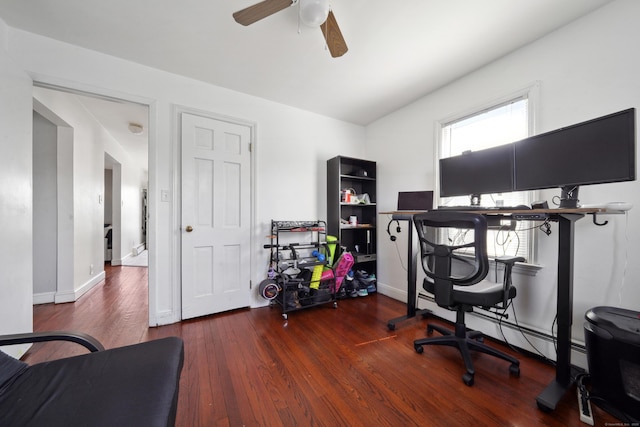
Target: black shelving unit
[[292, 245], [358, 178]]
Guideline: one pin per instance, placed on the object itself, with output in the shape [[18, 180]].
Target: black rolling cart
[[300, 254]]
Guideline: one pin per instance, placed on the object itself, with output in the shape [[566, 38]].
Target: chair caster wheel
[[418, 348], [285, 316], [335, 304], [468, 379], [514, 370], [391, 326], [429, 330]]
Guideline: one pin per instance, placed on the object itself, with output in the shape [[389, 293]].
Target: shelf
[[359, 176], [359, 257], [363, 178]]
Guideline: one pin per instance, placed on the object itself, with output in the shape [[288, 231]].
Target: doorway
[[85, 135]]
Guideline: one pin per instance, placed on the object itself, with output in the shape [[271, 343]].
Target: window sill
[[523, 268]]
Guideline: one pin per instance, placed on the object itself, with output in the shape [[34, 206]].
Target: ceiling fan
[[312, 12]]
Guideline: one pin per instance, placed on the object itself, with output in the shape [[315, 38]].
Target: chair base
[[465, 341]]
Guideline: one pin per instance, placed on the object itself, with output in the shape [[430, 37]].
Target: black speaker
[[612, 338], [398, 229]]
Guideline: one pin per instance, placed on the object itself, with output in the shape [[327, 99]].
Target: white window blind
[[490, 127]]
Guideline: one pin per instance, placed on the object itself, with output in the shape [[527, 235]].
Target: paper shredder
[[612, 338]]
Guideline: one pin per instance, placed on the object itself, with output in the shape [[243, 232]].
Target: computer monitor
[[415, 200], [597, 151], [478, 172]]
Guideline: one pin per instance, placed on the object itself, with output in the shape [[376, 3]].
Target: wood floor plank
[[321, 367]]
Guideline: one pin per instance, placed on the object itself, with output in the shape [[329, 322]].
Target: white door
[[215, 215]]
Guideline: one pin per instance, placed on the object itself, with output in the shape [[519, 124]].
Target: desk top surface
[[502, 211]]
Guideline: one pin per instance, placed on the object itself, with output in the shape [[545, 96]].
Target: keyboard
[[483, 208]]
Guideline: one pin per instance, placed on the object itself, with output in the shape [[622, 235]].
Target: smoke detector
[[135, 128]]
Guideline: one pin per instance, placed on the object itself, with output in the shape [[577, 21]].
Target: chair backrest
[[447, 260]]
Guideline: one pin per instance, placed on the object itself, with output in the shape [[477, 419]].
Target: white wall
[[16, 258], [587, 69], [291, 149], [45, 207]]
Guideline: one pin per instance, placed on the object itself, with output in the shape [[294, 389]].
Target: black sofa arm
[[85, 340]]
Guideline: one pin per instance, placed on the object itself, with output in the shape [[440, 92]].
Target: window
[[500, 123]]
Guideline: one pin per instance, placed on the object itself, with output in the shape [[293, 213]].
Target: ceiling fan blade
[[260, 10], [333, 36]]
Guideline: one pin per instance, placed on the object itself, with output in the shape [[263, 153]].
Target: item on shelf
[[317, 270], [269, 289], [346, 194], [361, 199], [331, 249], [343, 265]]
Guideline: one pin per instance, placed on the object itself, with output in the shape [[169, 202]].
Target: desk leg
[[549, 398], [411, 282]]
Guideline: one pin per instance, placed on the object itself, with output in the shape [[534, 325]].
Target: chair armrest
[[509, 259], [85, 340], [508, 262]]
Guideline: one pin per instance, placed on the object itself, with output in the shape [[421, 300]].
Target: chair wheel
[[429, 329], [467, 378], [391, 326], [514, 370], [418, 348]]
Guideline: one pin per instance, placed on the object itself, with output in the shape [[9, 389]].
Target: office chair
[[455, 275]]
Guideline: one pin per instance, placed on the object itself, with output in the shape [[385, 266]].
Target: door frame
[[176, 113], [55, 83]]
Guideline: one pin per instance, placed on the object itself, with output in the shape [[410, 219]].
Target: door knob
[[189, 228]]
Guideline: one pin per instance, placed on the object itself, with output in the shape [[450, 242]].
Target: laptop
[[415, 200]]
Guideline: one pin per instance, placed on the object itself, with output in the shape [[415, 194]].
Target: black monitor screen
[[478, 172], [597, 151]]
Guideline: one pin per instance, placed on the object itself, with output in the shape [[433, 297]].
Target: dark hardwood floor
[[322, 367]]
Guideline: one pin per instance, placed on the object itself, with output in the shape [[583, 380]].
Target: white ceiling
[[398, 52]]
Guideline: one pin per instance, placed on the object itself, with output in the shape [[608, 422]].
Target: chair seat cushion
[[10, 368], [135, 385], [484, 293]]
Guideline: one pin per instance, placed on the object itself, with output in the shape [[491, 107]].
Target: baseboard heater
[[538, 334]]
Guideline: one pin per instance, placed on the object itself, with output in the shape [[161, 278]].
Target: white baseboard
[[390, 291], [44, 298], [137, 250], [166, 317], [71, 296]]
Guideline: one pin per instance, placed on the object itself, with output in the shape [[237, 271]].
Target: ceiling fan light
[[314, 12]]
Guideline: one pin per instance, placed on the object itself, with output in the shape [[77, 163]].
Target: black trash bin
[[612, 338]]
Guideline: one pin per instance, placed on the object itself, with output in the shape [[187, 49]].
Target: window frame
[[531, 93]]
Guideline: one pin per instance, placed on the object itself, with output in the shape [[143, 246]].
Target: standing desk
[[566, 218]]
